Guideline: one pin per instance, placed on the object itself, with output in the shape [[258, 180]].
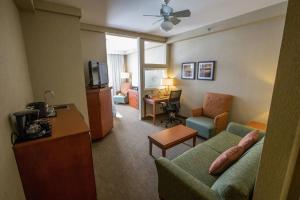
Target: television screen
[[103, 74], [94, 73], [98, 73]]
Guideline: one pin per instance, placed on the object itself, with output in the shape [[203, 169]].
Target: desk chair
[[171, 107]]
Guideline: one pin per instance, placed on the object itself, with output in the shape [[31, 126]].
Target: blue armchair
[[122, 95], [212, 117]]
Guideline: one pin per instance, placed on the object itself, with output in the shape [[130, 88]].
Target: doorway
[[123, 72]]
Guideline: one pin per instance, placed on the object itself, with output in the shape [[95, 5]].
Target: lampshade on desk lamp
[[167, 82], [125, 75]]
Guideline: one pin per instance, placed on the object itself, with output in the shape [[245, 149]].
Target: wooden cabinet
[[133, 96], [100, 111], [59, 166]]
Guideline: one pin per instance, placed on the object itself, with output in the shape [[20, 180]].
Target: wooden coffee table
[[170, 137]]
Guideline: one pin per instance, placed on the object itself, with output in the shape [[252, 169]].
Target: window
[[153, 77], [155, 53]]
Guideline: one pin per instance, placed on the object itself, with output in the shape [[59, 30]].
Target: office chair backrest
[[175, 96]]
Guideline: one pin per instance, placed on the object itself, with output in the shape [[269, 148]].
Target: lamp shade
[[167, 82], [125, 75], [166, 26]]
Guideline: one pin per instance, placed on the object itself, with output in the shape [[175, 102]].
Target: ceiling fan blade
[[158, 21], [152, 15], [182, 13], [174, 20]]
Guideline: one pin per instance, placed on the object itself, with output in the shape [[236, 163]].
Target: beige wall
[[277, 177], [54, 55], [15, 92], [154, 55], [246, 59], [132, 67], [93, 48]]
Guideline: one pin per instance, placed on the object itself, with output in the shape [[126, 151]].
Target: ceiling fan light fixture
[[166, 26]]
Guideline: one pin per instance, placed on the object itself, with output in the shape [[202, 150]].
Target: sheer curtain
[[116, 65]]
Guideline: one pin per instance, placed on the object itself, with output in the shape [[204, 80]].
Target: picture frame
[[188, 70], [206, 70]]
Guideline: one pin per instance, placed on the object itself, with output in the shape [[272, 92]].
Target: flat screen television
[[98, 74]]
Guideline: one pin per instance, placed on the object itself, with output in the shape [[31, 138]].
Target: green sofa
[[186, 177]]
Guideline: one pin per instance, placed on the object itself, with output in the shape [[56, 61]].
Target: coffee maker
[[26, 126]]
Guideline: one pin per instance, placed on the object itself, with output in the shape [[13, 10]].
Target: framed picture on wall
[[188, 70], [206, 70]]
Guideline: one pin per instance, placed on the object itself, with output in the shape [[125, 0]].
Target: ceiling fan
[[168, 17]]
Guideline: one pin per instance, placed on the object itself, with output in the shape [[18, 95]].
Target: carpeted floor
[[124, 170]]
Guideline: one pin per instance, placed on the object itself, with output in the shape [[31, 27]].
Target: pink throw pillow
[[223, 161], [250, 139]]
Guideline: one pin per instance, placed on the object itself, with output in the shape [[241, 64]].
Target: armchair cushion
[[197, 112], [204, 125], [215, 104], [120, 99]]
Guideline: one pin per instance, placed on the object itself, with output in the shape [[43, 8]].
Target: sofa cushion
[[226, 159], [223, 141], [237, 182], [196, 162], [241, 130], [204, 125], [250, 139]]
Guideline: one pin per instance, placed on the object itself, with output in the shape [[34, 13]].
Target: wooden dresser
[[100, 111], [133, 96], [59, 166]]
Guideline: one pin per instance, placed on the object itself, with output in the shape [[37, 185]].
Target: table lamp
[[167, 82], [125, 75]]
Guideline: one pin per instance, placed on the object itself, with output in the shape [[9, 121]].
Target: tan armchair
[[212, 117], [122, 95]]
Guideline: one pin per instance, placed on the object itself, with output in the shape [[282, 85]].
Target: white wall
[[132, 67], [246, 65], [54, 56], [15, 92], [153, 55], [93, 46], [156, 54]]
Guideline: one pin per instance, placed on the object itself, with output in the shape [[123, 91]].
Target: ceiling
[[120, 45], [127, 14]]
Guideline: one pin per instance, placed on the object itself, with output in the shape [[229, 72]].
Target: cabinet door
[[94, 114], [57, 169], [133, 99], [106, 110]]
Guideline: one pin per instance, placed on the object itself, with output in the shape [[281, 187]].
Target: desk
[[153, 101]]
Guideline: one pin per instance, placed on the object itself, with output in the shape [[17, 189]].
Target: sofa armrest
[[196, 112], [176, 184], [221, 122], [240, 129]]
